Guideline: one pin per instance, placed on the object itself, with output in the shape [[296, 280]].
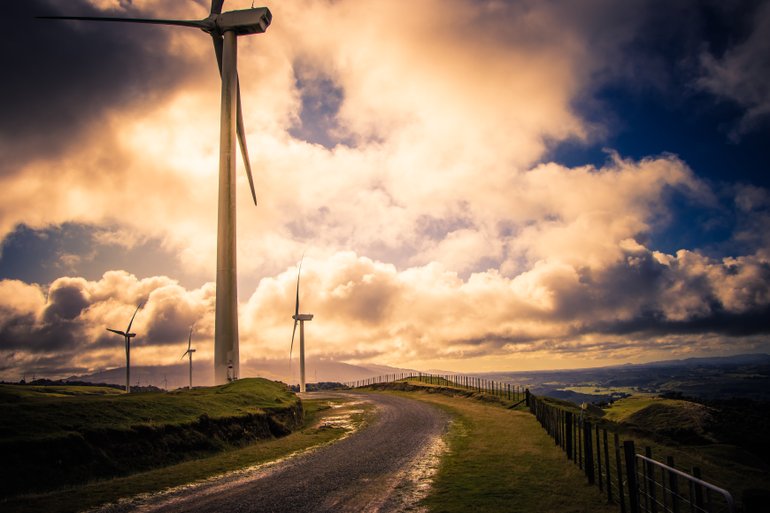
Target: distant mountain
[[669, 375], [176, 375], [738, 359], [724, 377]]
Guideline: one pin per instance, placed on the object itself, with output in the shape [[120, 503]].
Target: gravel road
[[384, 467]]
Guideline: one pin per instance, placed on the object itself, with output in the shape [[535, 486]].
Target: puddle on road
[[348, 418], [414, 483], [344, 421]]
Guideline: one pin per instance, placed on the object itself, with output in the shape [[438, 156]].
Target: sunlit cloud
[[406, 153]]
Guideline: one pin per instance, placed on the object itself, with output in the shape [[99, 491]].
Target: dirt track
[[382, 467]]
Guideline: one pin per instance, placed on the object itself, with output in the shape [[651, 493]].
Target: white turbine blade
[[216, 6], [182, 23], [116, 331], [293, 332], [189, 340], [128, 330], [241, 131], [299, 273]]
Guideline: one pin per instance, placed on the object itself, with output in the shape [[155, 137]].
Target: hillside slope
[[54, 436]]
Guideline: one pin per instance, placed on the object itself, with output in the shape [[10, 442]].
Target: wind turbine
[[128, 336], [299, 318], [224, 29], [190, 352]]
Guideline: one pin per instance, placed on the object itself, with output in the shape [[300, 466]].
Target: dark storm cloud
[[170, 323], [65, 303], [60, 76], [23, 332], [59, 328], [733, 324]]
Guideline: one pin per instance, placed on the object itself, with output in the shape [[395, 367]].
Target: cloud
[[68, 74], [404, 151], [741, 73]]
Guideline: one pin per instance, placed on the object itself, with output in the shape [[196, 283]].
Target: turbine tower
[[128, 336], [190, 352], [224, 29], [299, 318]]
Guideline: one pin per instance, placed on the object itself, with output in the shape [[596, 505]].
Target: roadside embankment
[[50, 440]]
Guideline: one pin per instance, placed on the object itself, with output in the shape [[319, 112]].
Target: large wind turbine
[[190, 352], [299, 318], [128, 336], [224, 29]]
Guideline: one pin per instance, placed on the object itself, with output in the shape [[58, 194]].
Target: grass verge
[[57, 436], [314, 433], [500, 459]]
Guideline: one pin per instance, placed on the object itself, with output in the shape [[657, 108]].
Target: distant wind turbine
[[299, 318], [224, 29], [127, 335], [190, 352]]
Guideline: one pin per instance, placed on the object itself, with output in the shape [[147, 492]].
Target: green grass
[[623, 409], [502, 460], [29, 412], [100, 492], [59, 436], [11, 393]]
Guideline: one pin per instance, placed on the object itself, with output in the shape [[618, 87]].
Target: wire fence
[[507, 391], [636, 483]]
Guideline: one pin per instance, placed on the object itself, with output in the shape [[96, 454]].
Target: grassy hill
[[679, 420], [54, 436]]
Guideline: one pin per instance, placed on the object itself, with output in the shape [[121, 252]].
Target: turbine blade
[[189, 340], [216, 6], [241, 131], [296, 305], [182, 23], [128, 330], [116, 331], [291, 348], [218, 49]]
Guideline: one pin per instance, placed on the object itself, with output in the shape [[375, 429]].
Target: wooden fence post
[[698, 489], [673, 485], [589, 457], [599, 460], [650, 477], [568, 426], [607, 465], [631, 476], [619, 468]]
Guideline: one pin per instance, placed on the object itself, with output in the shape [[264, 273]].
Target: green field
[[62, 436], [30, 412]]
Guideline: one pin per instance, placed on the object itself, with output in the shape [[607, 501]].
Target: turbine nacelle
[[242, 22], [302, 317]]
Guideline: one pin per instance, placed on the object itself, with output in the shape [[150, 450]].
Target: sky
[[476, 185]]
